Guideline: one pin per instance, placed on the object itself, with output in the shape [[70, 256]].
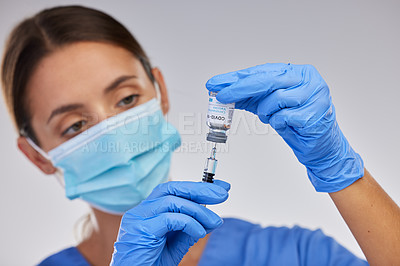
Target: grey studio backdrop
[[354, 45]]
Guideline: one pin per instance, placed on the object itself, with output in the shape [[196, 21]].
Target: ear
[[163, 89], [35, 157]]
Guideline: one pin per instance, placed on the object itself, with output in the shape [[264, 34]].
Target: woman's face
[[80, 85]]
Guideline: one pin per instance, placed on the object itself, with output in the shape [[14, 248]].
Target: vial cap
[[217, 137]]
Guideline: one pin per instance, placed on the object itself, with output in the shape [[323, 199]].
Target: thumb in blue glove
[[296, 102], [161, 229]]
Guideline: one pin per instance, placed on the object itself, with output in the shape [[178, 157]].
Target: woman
[[84, 98]]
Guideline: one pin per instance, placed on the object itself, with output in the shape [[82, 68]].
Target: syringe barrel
[[210, 165], [208, 177]]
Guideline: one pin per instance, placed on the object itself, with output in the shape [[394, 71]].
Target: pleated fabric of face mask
[[115, 164]]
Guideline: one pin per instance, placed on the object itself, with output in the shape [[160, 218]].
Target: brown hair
[[38, 36]]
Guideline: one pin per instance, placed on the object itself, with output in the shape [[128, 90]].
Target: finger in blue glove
[[161, 229], [295, 100]]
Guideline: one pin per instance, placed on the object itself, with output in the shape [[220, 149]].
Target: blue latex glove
[[295, 101], [161, 229]]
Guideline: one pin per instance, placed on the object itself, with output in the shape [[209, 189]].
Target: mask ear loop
[[147, 67], [37, 148], [158, 92], [158, 97], [59, 174]]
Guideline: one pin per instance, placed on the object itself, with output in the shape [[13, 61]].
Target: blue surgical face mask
[[115, 164]]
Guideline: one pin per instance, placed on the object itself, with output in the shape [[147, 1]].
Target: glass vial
[[219, 119]]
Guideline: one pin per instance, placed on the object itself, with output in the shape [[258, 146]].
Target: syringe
[[219, 120], [210, 166]]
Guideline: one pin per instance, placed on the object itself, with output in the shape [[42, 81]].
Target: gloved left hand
[[296, 102], [161, 229]]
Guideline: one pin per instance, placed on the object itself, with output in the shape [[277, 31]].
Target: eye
[[130, 100], [75, 128]]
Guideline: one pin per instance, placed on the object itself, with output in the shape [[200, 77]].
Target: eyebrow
[[64, 109], [117, 82], [71, 107]]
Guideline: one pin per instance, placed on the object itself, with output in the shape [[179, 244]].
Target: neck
[[97, 248]]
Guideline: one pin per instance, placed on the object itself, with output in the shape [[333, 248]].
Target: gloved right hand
[[296, 102], [161, 229]]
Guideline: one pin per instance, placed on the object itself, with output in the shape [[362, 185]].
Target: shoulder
[[68, 256], [252, 244]]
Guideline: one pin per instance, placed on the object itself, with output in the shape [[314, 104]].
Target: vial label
[[219, 113]]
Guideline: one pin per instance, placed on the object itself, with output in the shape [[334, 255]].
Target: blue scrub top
[[238, 242]]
